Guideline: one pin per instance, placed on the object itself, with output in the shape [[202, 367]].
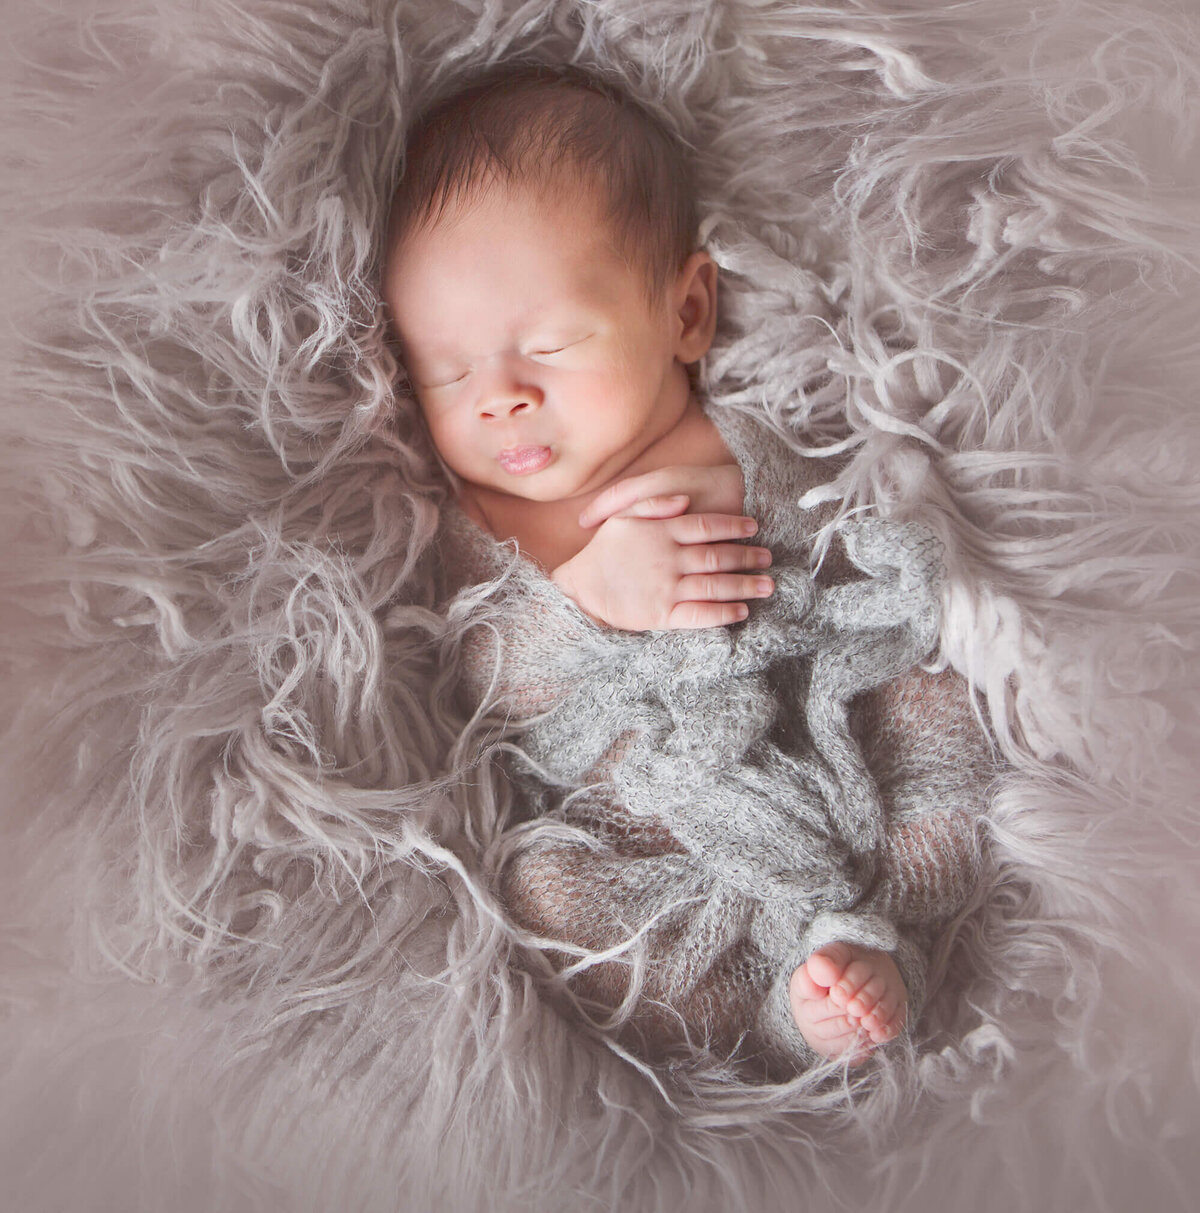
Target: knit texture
[[730, 821]]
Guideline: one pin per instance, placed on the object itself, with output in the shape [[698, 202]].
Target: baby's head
[[544, 284]]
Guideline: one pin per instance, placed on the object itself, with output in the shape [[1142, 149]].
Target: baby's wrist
[[563, 578]]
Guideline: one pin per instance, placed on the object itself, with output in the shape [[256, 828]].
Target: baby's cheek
[[451, 444]]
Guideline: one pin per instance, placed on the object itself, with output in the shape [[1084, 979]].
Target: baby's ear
[[695, 303]]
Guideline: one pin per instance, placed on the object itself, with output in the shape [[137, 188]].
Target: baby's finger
[[654, 507], [721, 558], [706, 614], [627, 492], [723, 587], [711, 528]]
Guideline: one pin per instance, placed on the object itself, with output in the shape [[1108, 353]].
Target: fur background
[[250, 958]]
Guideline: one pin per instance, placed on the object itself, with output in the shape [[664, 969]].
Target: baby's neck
[[549, 531]]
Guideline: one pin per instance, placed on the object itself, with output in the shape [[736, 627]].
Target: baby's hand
[[681, 571]]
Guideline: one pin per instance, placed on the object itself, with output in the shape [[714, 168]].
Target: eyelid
[[558, 349], [443, 383]]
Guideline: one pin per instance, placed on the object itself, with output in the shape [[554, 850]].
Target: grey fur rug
[[250, 956]]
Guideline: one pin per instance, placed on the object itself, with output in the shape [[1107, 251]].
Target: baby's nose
[[508, 399]]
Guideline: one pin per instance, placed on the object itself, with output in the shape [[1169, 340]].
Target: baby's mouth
[[522, 460]]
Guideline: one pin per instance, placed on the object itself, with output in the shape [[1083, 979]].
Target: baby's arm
[[652, 564]]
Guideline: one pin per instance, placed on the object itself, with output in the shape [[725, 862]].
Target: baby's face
[[542, 367]]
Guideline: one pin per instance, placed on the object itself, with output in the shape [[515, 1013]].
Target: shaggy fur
[[252, 955]]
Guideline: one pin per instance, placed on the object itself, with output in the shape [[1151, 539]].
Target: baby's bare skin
[[848, 999]]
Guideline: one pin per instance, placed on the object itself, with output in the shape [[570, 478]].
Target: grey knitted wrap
[[697, 712], [733, 752]]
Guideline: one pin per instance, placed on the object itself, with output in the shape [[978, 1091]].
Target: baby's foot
[[847, 999]]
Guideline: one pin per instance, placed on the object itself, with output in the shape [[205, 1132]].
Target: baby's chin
[[519, 495], [541, 488]]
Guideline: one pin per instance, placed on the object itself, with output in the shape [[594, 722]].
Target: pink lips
[[522, 460]]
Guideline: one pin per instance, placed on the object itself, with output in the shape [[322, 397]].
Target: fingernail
[[764, 585], [762, 558], [749, 526], [742, 610]]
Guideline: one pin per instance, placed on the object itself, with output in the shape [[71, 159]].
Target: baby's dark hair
[[528, 123]]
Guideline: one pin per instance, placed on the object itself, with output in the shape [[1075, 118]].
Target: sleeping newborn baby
[[741, 791]]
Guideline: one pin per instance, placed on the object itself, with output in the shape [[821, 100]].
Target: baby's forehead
[[541, 197]]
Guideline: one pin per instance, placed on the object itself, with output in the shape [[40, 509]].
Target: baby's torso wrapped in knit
[[794, 779]]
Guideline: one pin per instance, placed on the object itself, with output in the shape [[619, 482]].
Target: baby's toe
[[827, 967], [886, 1020], [863, 986], [802, 988], [882, 1032]]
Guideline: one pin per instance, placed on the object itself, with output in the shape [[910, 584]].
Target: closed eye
[[441, 383], [558, 349]]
